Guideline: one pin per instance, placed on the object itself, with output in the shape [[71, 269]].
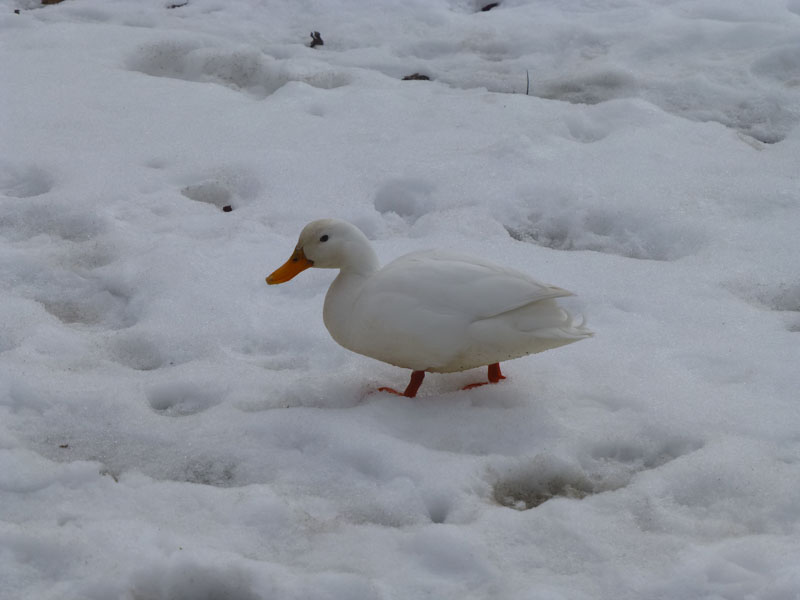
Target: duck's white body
[[442, 312], [431, 311]]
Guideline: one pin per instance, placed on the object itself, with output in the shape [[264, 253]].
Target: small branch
[[416, 77]]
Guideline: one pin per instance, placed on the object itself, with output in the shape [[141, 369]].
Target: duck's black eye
[[324, 238]]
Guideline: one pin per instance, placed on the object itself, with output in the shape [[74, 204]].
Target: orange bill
[[297, 263]]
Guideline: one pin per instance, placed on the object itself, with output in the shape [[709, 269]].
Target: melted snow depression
[[171, 428]]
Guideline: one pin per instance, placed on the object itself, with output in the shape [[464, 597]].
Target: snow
[[171, 428]]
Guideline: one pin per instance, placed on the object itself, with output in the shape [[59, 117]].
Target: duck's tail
[[568, 329], [580, 328]]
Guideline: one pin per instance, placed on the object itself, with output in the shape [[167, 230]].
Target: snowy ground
[[173, 429]]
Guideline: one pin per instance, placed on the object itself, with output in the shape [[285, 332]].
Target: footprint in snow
[[24, 181], [177, 399]]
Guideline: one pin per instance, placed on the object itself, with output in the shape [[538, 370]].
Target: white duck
[[431, 311]]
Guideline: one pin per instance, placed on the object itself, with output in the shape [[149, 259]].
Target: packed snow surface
[[173, 429]]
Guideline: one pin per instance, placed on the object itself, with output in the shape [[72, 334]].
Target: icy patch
[[243, 68]]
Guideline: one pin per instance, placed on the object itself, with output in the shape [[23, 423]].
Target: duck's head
[[327, 244]]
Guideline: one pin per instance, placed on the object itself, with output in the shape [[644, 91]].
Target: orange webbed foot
[[413, 385], [494, 376], [390, 390], [474, 385]]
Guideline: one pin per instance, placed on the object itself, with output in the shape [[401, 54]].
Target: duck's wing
[[454, 284]]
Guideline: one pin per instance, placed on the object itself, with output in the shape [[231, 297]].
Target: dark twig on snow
[[527, 82], [416, 77]]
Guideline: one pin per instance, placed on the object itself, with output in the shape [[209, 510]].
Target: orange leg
[[413, 385], [494, 376], [494, 373]]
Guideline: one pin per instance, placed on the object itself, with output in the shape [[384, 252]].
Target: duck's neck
[[359, 259], [344, 291]]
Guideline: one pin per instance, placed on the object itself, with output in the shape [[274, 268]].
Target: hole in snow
[[207, 472], [591, 88], [609, 466], [407, 198], [77, 300], [136, 351], [210, 192], [24, 181], [438, 508], [780, 297], [181, 399], [76, 311], [225, 187], [189, 580], [531, 484]]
